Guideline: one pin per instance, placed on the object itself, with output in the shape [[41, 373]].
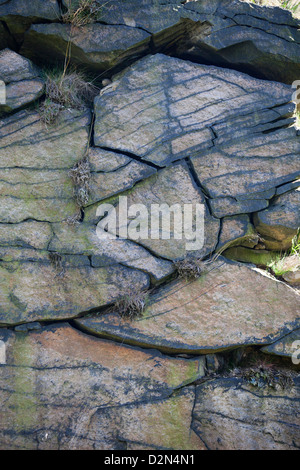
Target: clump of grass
[[75, 218], [80, 174], [190, 268], [65, 90], [131, 304], [266, 375], [290, 5], [295, 250], [82, 12], [263, 371], [56, 261], [286, 4], [69, 89], [49, 111], [289, 261]]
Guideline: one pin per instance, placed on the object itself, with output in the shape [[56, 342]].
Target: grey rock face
[[166, 130], [279, 224], [179, 109], [19, 14], [208, 315], [228, 407], [171, 186], [288, 346], [92, 44], [95, 384], [260, 41], [23, 83]]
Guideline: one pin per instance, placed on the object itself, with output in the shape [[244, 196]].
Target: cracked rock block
[[42, 286], [288, 346], [260, 257], [161, 424], [261, 41], [279, 224], [237, 230], [101, 395], [230, 306], [263, 419], [98, 47], [241, 176], [172, 186], [163, 109], [82, 238], [112, 173], [23, 83], [19, 14], [35, 162]]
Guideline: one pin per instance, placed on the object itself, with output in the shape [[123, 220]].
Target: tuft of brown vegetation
[[65, 90], [74, 219], [56, 261], [49, 111], [190, 268], [268, 376], [70, 89], [80, 174], [82, 12], [131, 304]]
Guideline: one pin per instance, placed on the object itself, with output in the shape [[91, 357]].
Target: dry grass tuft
[[80, 174], [268, 376], [190, 268], [57, 263], [65, 90], [131, 304], [82, 12], [70, 89], [74, 219], [49, 111]]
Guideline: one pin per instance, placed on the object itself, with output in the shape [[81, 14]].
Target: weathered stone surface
[[287, 187], [226, 206], [161, 424], [94, 385], [167, 131], [279, 224], [208, 315], [103, 161], [36, 287], [124, 173], [29, 234], [19, 14], [170, 186], [27, 143], [21, 77], [163, 109], [237, 231], [287, 346], [92, 44], [83, 239], [232, 415], [35, 162], [292, 277], [14, 67], [262, 41], [248, 170]]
